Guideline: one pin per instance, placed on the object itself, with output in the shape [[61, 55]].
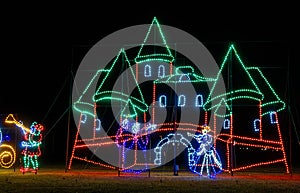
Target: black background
[[38, 43]]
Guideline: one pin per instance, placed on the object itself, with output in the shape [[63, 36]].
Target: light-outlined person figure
[[134, 136], [31, 147], [206, 157]]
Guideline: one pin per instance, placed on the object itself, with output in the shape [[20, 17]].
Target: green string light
[[164, 57]]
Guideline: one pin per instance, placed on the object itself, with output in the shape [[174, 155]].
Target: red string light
[[260, 120]]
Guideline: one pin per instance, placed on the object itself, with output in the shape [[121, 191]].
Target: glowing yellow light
[[11, 120], [7, 157]]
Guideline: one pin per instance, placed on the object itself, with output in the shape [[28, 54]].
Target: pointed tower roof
[[271, 101], [222, 108], [240, 83], [158, 50], [85, 103], [121, 95]]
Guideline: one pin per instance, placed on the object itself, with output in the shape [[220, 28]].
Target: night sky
[[42, 45]]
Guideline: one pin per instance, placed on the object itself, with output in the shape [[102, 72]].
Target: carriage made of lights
[[7, 151]]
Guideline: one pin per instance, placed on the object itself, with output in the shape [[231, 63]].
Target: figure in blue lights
[[137, 139], [138, 132], [206, 157]]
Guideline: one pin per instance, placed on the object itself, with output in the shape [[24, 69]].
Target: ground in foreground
[[57, 180]]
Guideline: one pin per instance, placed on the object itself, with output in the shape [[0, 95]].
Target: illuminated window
[[161, 71], [273, 117], [199, 100], [98, 124], [256, 125], [147, 71], [226, 124], [162, 101], [83, 118], [181, 101]]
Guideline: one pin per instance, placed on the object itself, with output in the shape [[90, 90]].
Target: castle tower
[[248, 101]]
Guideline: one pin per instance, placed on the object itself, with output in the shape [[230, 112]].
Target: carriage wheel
[[7, 156]]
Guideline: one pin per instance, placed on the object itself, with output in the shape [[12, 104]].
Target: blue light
[[206, 157], [83, 118], [181, 100], [163, 101], [98, 124], [273, 117], [199, 100], [30, 144], [256, 124], [173, 138], [161, 71], [147, 70], [226, 124], [135, 127], [0, 136]]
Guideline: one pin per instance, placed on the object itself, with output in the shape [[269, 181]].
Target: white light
[[83, 118], [256, 124], [184, 78], [147, 70], [273, 117], [98, 124], [181, 101], [163, 101], [161, 71], [199, 97], [226, 124]]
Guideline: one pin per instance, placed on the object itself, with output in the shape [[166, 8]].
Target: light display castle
[[250, 123]]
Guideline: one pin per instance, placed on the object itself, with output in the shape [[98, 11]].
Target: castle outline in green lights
[[248, 91]]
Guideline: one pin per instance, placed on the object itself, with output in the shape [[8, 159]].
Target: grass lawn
[[90, 180]]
